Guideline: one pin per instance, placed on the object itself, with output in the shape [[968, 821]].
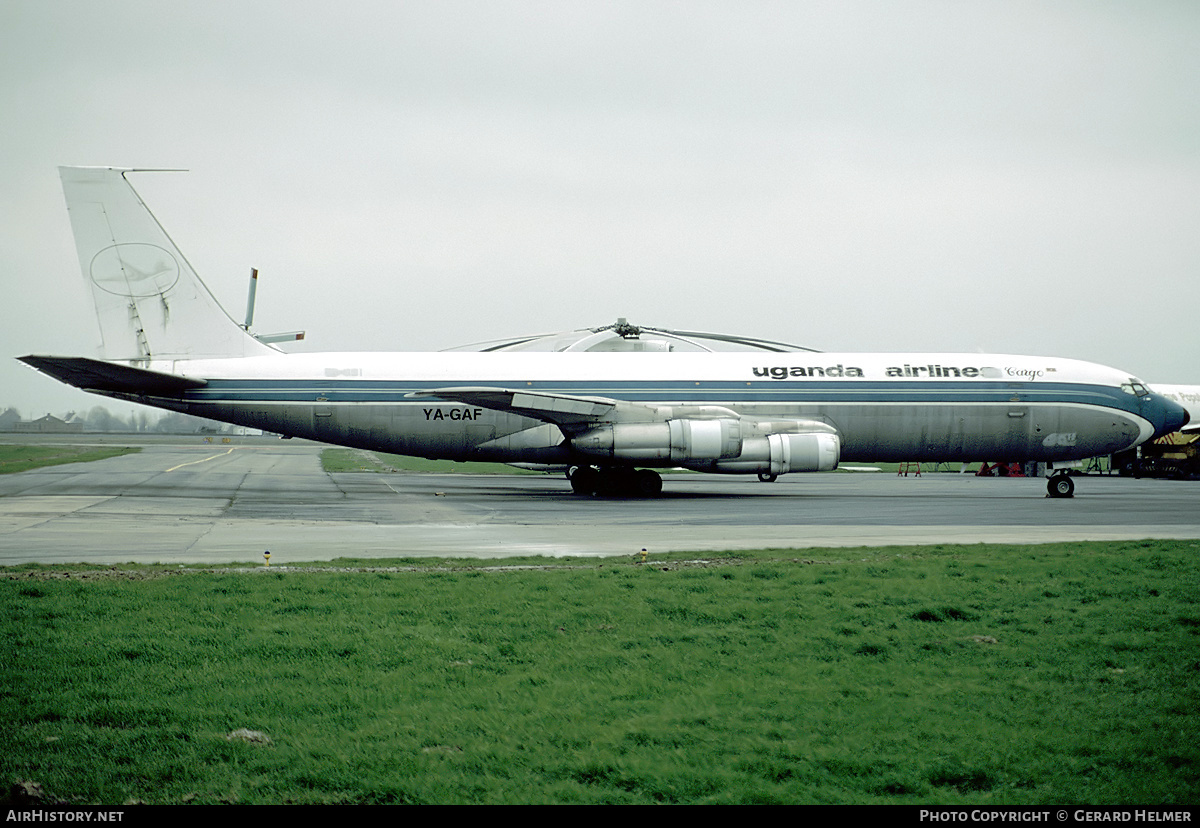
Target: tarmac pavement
[[186, 501]]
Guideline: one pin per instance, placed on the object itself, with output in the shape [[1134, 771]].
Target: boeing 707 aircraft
[[612, 417]]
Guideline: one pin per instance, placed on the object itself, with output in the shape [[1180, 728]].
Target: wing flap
[[563, 410], [111, 377]]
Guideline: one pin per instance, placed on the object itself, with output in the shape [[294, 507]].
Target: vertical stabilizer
[[149, 301]]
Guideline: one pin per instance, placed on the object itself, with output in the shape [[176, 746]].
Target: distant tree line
[[99, 418]]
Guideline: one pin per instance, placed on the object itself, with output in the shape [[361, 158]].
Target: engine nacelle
[[780, 454], [677, 441]]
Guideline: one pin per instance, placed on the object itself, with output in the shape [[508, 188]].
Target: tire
[[584, 480], [647, 483], [1060, 485]]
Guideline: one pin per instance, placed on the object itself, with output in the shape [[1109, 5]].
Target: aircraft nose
[[1174, 418]]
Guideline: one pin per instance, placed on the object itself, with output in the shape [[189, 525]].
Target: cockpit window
[[1135, 388]]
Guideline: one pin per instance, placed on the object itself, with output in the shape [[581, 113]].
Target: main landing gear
[[614, 481], [1060, 484]]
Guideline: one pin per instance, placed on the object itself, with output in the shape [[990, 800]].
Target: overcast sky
[[1017, 177]]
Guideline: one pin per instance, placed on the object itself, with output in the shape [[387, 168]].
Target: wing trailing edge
[[564, 410]]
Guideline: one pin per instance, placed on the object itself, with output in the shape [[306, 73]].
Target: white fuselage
[[883, 406]]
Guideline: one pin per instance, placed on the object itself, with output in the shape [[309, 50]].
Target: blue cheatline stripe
[[711, 392]]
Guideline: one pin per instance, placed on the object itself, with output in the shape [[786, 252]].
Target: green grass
[[1065, 673], [19, 458]]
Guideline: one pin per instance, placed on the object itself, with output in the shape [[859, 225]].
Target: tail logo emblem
[[136, 270]]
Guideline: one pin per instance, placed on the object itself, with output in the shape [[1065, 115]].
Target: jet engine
[[678, 440], [780, 454], [716, 445]]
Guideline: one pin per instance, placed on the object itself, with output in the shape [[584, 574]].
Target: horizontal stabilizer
[[109, 377]]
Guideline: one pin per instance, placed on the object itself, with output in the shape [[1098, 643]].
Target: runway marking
[[205, 460]]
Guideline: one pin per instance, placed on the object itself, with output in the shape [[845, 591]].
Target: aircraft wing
[[571, 413], [111, 377]]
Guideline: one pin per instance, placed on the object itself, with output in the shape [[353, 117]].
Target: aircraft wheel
[[767, 477], [612, 482], [1060, 485], [618, 482], [647, 483], [585, 480]]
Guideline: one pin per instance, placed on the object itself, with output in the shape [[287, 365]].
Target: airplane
[[611, 415], [1188, 396]]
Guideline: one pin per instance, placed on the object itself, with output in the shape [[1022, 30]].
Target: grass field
[[19, 458], [1066, 673]]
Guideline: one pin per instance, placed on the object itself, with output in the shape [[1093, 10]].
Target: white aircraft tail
[[149, 302]]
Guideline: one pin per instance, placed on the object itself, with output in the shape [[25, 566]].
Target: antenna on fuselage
[[290, 336]]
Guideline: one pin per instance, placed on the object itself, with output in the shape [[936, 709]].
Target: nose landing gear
[[1060, 484]]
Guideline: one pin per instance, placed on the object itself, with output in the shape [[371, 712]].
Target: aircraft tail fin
[[149, 301]]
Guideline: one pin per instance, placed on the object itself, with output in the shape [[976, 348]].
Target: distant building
[[49, 424]]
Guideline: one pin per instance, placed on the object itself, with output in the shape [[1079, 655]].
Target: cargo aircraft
[[611, 415]]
